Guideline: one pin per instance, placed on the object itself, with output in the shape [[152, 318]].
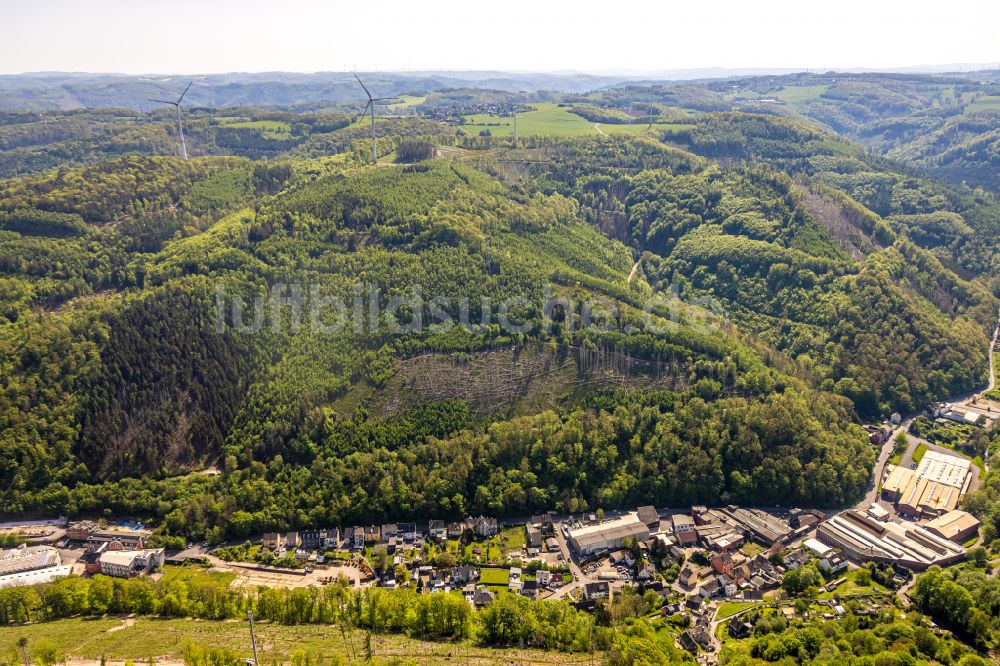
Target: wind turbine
[[180, 124], [371, 104]]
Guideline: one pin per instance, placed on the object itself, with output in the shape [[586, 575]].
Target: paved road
[[883, 457], [579, 579]]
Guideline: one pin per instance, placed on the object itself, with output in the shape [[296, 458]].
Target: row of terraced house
[[358, 537]]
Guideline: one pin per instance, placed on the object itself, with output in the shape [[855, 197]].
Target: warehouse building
[[608, 535], [933, 489], [128, 563], [864, 539], [30, 565], [766, 528], [945, 468], [957, 526]]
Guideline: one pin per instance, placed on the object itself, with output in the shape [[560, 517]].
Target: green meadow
[[141, 638], [800, 94], [407, 101], [553, 120], [271, 129], [985, 103]]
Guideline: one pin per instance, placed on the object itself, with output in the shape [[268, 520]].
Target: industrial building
[[933, 489], [608, 535], [127, 563], [30, 565], [766, 528], [957, 526], [863, 539]]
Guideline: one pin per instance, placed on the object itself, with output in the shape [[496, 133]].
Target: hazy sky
[[206, 36]]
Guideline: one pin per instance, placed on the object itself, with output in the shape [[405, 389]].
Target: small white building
[[817, 547]]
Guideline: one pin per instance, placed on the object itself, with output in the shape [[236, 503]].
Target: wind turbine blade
[[161, 101], [379, 99], [366, 107], [184, 93], [363, 86]]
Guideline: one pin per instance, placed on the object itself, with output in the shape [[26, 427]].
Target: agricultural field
[[139, 639], [553, 120], [985, 103], [800, 94], [270, 129], [407, 101]]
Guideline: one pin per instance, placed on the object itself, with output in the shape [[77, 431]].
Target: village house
[[646, 572], [722, 563], [543, 522], [739, 628], [482, 597], [599, 590], [372, 534], [532, 536], [485, 527], [710, 588], [437, 529], [456, 529], [684, 530], [272, 541], [464, 574]]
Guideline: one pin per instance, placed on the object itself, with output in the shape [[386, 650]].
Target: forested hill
[[798, 285]]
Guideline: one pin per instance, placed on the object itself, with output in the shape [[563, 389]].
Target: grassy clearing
[[498, 577], [800, 94], [552, 120], [408, 101], [513, 537], [150, 637], [271, 129], [189, 573], [851, 588], [730, 608], [985, 103], [752, 549], [919, 452]]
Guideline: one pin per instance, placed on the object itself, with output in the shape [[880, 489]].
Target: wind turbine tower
[[371, 105], [180, 122], [515, 127]]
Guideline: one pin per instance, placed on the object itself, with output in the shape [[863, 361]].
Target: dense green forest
[[700, 315]]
